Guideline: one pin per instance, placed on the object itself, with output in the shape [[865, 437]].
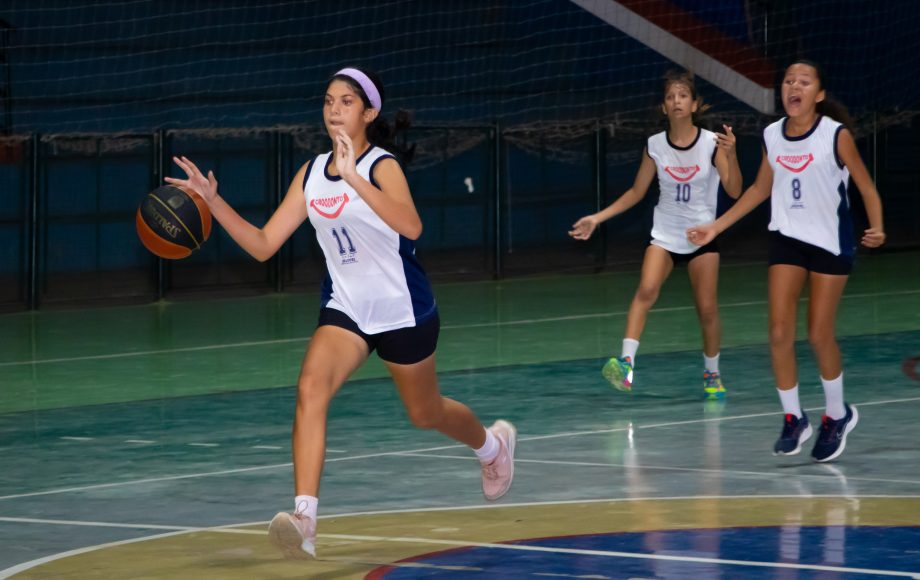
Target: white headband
[[370, 89]]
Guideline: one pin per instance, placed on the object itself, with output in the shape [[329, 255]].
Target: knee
[[646, 295], [709, 314], [425, 416], [781, 335], [312, 393], [820, 337]]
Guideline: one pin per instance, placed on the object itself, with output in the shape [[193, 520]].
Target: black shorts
[[678, 259], [786, 250], [403, 346]]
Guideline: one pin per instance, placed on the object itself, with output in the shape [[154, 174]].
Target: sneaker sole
[[512, 441], [806, 435], [285, 536], [843, 440]]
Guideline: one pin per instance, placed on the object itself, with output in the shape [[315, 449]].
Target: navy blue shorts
[[678, 259], [786, 250], [403, 346]]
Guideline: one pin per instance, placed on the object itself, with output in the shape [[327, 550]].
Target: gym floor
[[154, 441]]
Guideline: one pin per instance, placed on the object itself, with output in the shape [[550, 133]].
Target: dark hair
[[829, 107], [685, 77], [379, 132]]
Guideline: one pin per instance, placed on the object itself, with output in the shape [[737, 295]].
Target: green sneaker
[[713, 390], [619, 372]]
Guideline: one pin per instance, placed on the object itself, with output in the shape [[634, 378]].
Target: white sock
[[306, 505], [711, 363], [790, 400], [489, 449], [833, 394], [630, 346]]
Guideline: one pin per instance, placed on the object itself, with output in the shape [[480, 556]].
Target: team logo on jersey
[[329, 207], [682, 173], [795, 163]]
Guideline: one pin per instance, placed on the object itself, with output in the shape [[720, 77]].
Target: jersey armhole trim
[[840, 163], [370, 172], [306, 175]]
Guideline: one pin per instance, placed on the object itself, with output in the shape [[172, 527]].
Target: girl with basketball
[[809, 156], [376, 295], [689, 162]]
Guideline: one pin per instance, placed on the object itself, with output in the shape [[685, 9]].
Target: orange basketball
[[172, 222]]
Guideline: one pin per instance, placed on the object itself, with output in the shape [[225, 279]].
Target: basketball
[[173, 222]]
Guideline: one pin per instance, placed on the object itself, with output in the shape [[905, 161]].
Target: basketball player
[[375, 297], [808, 158], [689, 162]]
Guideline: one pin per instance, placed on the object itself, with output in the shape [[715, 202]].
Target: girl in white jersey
[[808, 159], [376, 296], [689, 162]]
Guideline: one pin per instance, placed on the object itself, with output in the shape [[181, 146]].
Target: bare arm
[[846, 150], [260, 243], [584, 227], [392, 201], [727, 162], [754, 196]]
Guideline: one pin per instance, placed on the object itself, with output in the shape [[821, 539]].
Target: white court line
[[640, 466], [406, 452], [178, 530], [70, 438], [444, 327]]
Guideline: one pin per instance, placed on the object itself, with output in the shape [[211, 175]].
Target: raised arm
[[260, 243], [391, 201], [846, 150], [754, 196], [727, 162], [584, 227]]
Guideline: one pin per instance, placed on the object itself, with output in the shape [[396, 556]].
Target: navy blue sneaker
[[795, 432], [832, 438]]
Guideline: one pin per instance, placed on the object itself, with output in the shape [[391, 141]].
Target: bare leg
[[656, 267], [785, 286], [704, 278], [418, 387], [334, 354], [826, 290]]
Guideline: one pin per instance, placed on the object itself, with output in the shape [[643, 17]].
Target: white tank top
[[689, 187], [373, 274], [809, 197]]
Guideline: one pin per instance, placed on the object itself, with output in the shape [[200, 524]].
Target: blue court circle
[[864, 549]]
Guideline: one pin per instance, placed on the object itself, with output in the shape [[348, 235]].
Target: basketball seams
[[187, 230]]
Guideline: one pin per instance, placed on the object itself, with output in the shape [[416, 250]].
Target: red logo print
[[335, 204], [682, 173], [795, 163]]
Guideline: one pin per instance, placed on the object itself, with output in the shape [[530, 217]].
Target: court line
[[497, 324], [232, 528], [829, 476], [411, 451]]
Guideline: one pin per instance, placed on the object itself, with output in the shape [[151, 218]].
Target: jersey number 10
[[683, 193]]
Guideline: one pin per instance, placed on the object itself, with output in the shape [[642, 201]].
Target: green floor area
[[55, 359]]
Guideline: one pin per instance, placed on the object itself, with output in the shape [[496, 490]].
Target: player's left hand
[[344, 155], [873, 238], [726, 141]]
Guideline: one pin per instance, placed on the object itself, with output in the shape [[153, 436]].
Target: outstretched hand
[[583, 228], [702, 234], [206, 187]]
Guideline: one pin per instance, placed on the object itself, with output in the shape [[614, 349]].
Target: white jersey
[[373, 274], [809, 198], [689, 187]]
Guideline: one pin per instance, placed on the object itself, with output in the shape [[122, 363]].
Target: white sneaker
[[498, 473], [294, 535]]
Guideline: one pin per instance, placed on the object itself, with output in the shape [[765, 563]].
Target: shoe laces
[[789, 425], [490, 469], [828, 428]]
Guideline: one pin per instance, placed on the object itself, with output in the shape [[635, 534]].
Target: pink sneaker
[[497, 474], [294, 535]]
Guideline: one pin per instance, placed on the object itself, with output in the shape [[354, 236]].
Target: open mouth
[[795, 100]]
